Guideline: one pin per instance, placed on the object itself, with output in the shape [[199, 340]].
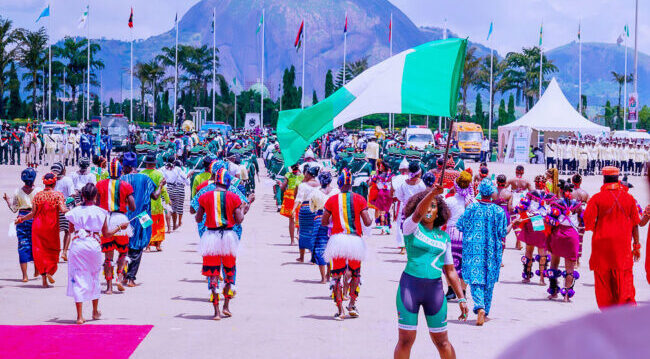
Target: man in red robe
[[613, 217]]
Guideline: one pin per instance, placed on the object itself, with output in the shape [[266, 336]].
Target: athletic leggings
[[414, 292]]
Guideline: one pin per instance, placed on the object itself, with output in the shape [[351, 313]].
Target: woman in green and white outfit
[[428, 249]]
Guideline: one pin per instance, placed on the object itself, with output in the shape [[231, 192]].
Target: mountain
[[240, 51], [598, 62]]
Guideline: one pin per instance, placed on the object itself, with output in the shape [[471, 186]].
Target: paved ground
[[280, 310]]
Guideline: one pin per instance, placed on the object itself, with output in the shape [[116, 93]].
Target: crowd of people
[[447, 220]]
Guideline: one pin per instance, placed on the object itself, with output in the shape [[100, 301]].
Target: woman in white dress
[[85, 259]]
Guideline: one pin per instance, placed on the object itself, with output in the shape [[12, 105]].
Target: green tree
[[478, 110], [609, 115], [352, 70], [314, 98], [470, 77], [8, 38], [32, 57], [644, 118], [523, 73], [503, 115], [291, 94], [329, 84], [620, 80], [14, 109], [511, 108], [499, 81]]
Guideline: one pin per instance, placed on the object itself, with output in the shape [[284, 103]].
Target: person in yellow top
[[157, 210], [290, 186], [379, 133], [203, 176]]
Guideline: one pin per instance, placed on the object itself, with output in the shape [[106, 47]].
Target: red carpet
[[71, 341]]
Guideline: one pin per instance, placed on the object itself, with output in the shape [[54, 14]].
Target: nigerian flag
[[423, 80]]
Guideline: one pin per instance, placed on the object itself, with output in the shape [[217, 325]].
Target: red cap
[[611, 171]]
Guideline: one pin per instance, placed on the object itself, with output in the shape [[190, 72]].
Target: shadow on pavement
[[190, 299]]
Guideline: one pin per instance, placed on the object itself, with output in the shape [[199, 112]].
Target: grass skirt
[[348, 246]]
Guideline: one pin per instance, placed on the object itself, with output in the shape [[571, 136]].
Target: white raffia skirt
[[346, 246], [115, 219], [218, 243]]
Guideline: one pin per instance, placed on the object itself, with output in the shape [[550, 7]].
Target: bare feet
[[108, 291], [25, 279], [480, 320], [552, 296], [525, 280], [64, 256], [542, 282], [147, 250], [120, 286], [567, 299], [158, 247], [226, 312], [130, 284], [402, 250], [97, 315], [216, 317], [80, 320], [45, 285], [50, 279], [300, 259]]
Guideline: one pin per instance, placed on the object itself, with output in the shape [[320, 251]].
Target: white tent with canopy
[[552, 116]]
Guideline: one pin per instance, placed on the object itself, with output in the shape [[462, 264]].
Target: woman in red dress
[[46, 243]]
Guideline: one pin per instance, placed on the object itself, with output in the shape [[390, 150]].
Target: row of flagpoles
[[301, 41]]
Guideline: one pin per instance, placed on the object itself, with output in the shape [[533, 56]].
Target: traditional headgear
[[309, 154], [483, 172], [57, 168], [130, 159], [84, 162], [325, 178], [222, 177], [115, 168], [49, 179], [464, 179], [429, 179], [486, 188], [611, 171], [404, 165], [28, 176], [345, 178], [216, 165]]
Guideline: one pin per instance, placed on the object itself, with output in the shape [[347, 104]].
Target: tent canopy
[[554, 113]]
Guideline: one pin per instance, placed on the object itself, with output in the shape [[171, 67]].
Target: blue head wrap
[[28, 176], [486, 188]]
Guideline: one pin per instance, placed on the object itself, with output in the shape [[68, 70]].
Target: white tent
[[552, 113]]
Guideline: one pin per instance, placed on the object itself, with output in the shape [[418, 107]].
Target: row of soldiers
[[588, 157]]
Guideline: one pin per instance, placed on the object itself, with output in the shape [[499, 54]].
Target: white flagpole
[[101, 94], [235, 116], [345, 42], [131, 79], [491, 81], [541, 56], [391, 119], [214, 61], [43, 99], [304, 44], [64, 95], [625, 86], [49, 78], [444, 37], [176, 72], [579, 69], [263, 60], [636, 58], [88, 66]]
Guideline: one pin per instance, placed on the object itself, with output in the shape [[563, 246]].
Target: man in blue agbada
[[484, 226], [144, 190]]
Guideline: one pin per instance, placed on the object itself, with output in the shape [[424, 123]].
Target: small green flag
[[145, 219], [538, 223], [627, 31], [259, 26]]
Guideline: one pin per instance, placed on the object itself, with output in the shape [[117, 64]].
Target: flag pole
[[262, 87], [88, 66], [541, 55], [491, 82], [304, 44], [625, 85], [214, 61], [391, 119], [579, 70], [176, 71], [234, 90], [64, 95], [345, 42], [131, 71], [101, 94], [49, 77], [636, 58], [444, 37]]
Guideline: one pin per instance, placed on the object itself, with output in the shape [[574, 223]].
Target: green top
[[157, 177], [293, 180], [427, 251], [198, 179]]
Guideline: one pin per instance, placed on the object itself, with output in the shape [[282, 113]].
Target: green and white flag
[[259, 25], [144, 219], [84, 18], [423, 80]]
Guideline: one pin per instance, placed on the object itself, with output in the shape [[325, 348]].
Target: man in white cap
[[310, 160]]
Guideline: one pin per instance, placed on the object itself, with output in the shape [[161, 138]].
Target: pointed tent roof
[[553, 112]]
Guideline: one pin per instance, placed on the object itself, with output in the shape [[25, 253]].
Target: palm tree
[[470, 76], [352, 70], [227, 109], [198, 65], [499, 81], [8, 37], [32, 57], [142, 74], [523, 73], [620, 79]]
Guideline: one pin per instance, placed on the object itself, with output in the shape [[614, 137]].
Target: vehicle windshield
[[470, 136], [116, 126], [56, 130], [420, 137]]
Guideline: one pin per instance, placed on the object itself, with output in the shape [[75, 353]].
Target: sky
[[516, 22]]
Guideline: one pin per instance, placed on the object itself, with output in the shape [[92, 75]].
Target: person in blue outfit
[[86, 144], [144, 190], [484, 226], [106, 145]]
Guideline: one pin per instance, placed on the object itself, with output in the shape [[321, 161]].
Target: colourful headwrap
[[222, 177], [216, 165], [345, 178], [49, 179], [486, 188], [28, 176], [115, 169]]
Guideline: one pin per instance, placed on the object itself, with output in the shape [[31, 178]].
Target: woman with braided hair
[[321, 232], [563, 241], [46, 243], [305, 216]]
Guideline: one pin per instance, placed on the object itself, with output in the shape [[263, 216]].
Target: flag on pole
[[578, 31], [345, 29], [212, 30], [541, 34], [626, 29], [423, 80], [234, 81], [144, 219], [44, 13], [390, 30], [176, 18], [489, 31], [619, 41], [83, 19], [259, 25], [131, 19], [298, 41]]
